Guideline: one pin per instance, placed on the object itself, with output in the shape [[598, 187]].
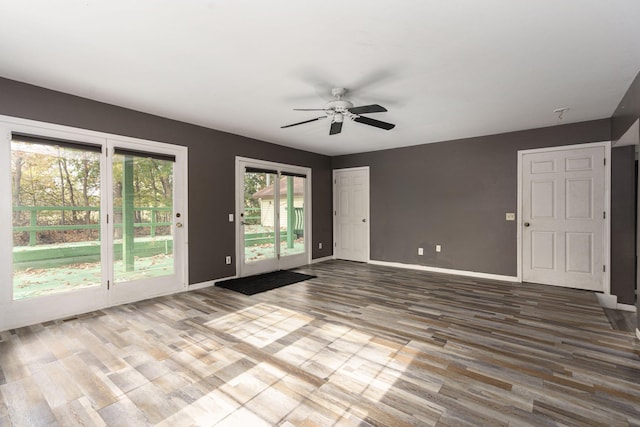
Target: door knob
[[526, 224], [178, 224]]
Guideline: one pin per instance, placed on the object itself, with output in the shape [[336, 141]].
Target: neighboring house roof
[[267, 192]]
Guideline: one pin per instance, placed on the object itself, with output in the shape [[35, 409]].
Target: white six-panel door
[[351, 214], [563, 218]]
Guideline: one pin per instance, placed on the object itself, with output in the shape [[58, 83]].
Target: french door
[[273, 216], [93, 220]]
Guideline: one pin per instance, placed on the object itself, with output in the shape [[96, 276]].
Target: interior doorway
[[564, 221], [351, 214]]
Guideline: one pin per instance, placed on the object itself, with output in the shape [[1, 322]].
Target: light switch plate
[[510, 216], [420, 251], [230, 217], [438, 248]]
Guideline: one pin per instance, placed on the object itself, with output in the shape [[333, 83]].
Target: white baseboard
[[611, 301], [327, 258], [447, 271], [626, 307], [607, 300], [208, 283]]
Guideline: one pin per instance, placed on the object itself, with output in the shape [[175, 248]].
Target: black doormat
[[263, 282]]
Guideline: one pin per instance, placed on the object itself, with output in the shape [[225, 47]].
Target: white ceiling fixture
[[560, 112], [339, 108], [444, 70]]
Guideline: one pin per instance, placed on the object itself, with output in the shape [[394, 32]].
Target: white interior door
[[351, 214], [563, 217]]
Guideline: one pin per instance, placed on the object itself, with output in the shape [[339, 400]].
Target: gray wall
[[627, 112], [623, 217], [456, 194], [211, 167]]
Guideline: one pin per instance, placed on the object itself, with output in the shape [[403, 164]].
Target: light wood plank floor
[[358, 345]]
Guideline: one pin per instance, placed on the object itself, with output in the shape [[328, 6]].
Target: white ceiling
[[444, 70]]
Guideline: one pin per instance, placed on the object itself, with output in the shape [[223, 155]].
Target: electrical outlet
[[228, 259], [510, 216], [420, 251], [438, 248], [319, 245]]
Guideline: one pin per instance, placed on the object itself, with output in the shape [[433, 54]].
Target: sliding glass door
[[93, 221], [272, 216]]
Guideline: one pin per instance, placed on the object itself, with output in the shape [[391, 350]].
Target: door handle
[[244, 223], [178, 225], [526, 224]]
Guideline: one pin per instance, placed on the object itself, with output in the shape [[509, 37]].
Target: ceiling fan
[[339, 108]]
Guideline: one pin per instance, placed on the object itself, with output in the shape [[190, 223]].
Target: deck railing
[[33, 228]]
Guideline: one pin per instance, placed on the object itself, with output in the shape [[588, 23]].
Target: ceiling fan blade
[[373, 122], [301, 123], [336, 127], [374, 108]]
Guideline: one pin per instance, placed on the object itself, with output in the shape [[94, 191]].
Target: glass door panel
[[143, 213], [292, 215], [259, 216], [271, 206], [56, 217]]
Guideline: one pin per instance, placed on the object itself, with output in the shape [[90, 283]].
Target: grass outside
[[31, 282]]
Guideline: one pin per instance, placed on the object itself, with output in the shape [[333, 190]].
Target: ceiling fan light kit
[[339, 108]]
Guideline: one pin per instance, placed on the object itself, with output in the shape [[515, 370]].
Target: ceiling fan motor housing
[[338, 106]]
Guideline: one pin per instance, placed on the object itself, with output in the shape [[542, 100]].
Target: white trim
[[327, 258], [447, 271], [31, 311], [638, 333], [607, 300], [209, 283], [607, 204], [626, 307], [368, 228]]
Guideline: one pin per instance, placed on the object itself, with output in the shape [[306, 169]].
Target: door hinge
[[605, 161], [335, 244], [604, 215], [335, 213], [108, 285], [107, 218], [604, 268]]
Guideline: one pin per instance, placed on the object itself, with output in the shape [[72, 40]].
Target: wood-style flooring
[[359, 345]]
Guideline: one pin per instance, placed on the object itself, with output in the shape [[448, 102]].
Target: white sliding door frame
[[285, 262], [17, 313]]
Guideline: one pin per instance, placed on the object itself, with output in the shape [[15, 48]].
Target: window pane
[[291, 215], [56, 218], [143, 217], [259, 215]]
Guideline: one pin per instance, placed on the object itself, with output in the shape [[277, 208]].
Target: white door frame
[[607, 203], [239, 185], [368, 227], [15, 314]]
